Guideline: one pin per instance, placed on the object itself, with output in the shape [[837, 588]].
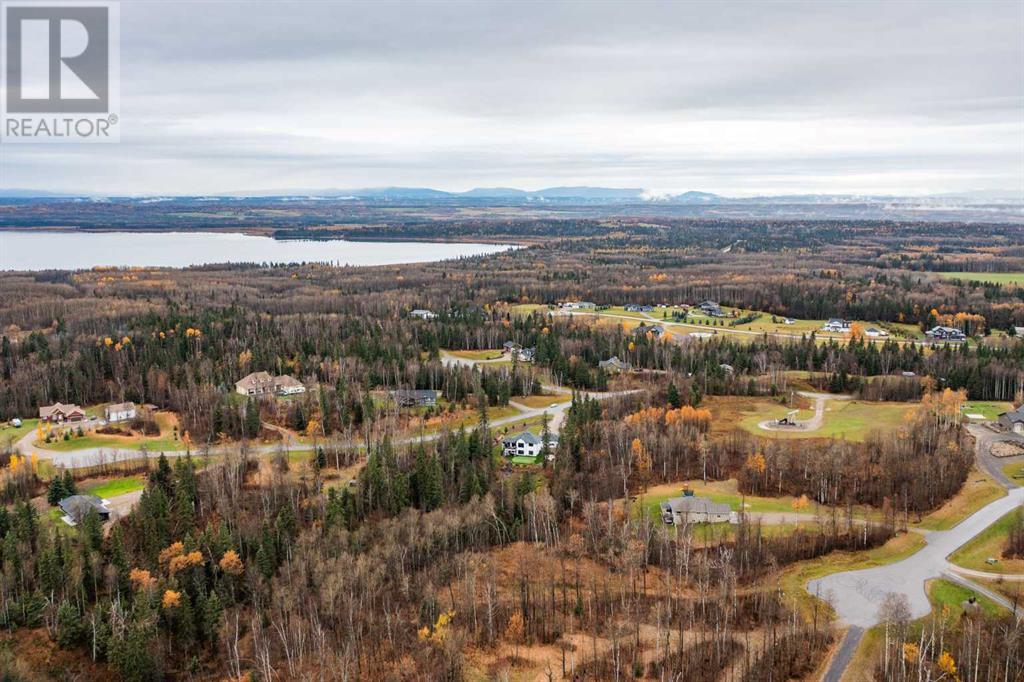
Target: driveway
[[812, 424]]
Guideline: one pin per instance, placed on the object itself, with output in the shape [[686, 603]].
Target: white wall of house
[[120, 415]]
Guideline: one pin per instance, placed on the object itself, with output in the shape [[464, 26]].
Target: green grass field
[[117, 486], [989, 544], [523, 461], [720, 492], [93, 441], [17, 432], [849, 419], [1016, 278], [944, 593], [989, 409], [1014, 471]]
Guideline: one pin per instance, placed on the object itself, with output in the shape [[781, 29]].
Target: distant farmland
[[1016, 278]]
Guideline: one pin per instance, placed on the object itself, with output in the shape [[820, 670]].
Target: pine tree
[[55, 491]]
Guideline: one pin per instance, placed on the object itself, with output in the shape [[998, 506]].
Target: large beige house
[[60, 412], [262, 383]]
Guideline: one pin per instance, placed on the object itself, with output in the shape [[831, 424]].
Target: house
[[1018, 332], [60, 412], [836, 324], [908, 373], [637, 308], [119, 412], [256, 383], [510, 347], [712, 309], [652, 329], [875, 333], [1013, 420], [578, 305], [288, 385], [262, 383], [526, 444], [613, 364], [76, 507], [691, 509], [788, 320], [414, 398], [728, 369], [527, 354], [941, 333], [423, 314]]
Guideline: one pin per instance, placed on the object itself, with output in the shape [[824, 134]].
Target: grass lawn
[[539, 401], [849, 419], [989, 409], [1014, 471], [533, 423], [989, 543], [524, 309], [524, 460], [17, 432], [117, 486], [950, 595], [978, 490], [721, 492], [94, 441], [477, 354], [1016, 278]]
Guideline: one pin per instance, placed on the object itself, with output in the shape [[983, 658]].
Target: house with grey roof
[[613, 364], [692, 509], [76, 508], [1013, 420], [526, 444], [414, 398], [119, 412]]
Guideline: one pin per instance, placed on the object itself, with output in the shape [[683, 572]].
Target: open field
[[1016, 278], [1014, 471], [117, 486], [977, 491], [722, 492], [989, 409], [477, 355], [849, 419], [17, 432], [989, 544], [523, 460], [541, 401]]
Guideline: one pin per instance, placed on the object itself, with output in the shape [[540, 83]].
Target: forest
[[367, 552]]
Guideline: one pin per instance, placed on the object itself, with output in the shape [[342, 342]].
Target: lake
[[30, 250]]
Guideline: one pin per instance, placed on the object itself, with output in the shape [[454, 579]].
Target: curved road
[[812, 424], [857, 595]]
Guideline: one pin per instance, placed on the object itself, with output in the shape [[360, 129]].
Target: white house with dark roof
[[525, 444], [836, 324], [423, 314]]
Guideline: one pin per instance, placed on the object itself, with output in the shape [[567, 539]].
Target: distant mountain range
[[582, 194]]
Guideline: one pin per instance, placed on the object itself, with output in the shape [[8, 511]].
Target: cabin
[[941, 333], [76, 508], [59, 413], [119, 412], [423, 314], [614, 365], [526, 444], [637, 308], [836, 324], [691, 509], [414, 398], [510, 347], [1013, 421]]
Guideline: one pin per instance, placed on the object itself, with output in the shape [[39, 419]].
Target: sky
[[738, 98]]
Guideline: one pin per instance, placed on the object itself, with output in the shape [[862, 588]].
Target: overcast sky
[[734, 98]]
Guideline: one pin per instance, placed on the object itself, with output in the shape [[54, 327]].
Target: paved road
[[985, 438], [843, 657], [856, 595], [90, 457]]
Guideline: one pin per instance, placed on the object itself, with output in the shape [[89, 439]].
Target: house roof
[[46, 411], [77, 506], [255, 380], [700, 505], [121, 407], [413, 394], [1014, 415], [526, 437], [287, 381]]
